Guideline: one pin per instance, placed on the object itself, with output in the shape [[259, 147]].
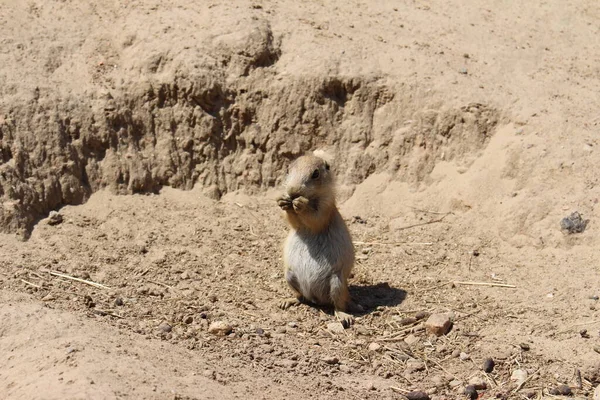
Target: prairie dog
[[318, 253]]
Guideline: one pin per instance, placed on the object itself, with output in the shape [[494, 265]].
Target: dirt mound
[[227, 120]]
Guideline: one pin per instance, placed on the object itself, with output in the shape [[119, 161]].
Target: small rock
[[562, 390], [370, 386], [455, 383], [597, 348], [330, 360], [292, 324], [188, 320], [524, 346], [584, 334], [335, 327], [374, 346], [54, 218], [260, 331], [594, 297], [411, 340], [464, 356], [287, 364], [185, 275], [88, 301], [165, 328], [463, 71], [471, 392], [456, 353], [439, 324], [209, 373], [478, 383], [417, 395], [439, 381], [421, 315], [220, 328], [49, 297], [119, 302], [519, 376], [203, 315], [488, 365]]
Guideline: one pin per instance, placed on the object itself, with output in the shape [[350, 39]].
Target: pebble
[[119, 302], [438, 381], [584, 334], [374, 346], [478, 383], [330, 360], [335, 327], [166, 328], [455, 383], [519, 376], [463, 71], [370, 386], [439, 324], [464, 356], [524, 346], [287, 363], [411, 340], [417, 395], [220, 328], [597, 348], [471, 392], [49, 297], [292, 324], [209, 373], [563, 390], [260, 331], [188, 320], [488, 365], [456, 353], [54, 218]]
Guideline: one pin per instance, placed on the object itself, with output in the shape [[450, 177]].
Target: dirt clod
[[330, 360], [54, 218], [417, 395], [119, 302], [574, 223]]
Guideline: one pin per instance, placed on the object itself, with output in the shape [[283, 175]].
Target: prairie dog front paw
[[300, 204], [285, 202]]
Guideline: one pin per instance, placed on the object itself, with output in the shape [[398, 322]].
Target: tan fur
[[318, 252]]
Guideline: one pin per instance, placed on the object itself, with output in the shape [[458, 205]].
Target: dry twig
[[30, 284], [94, 284], [491, 284]]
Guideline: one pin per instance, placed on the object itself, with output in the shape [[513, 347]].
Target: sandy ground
[[510, 91]]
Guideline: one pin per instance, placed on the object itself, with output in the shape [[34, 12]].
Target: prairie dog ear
[[325, 156]]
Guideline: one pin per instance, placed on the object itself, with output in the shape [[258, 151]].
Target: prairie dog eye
[[315, 174]]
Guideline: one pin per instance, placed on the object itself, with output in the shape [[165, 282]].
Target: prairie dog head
[[311, 177]]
